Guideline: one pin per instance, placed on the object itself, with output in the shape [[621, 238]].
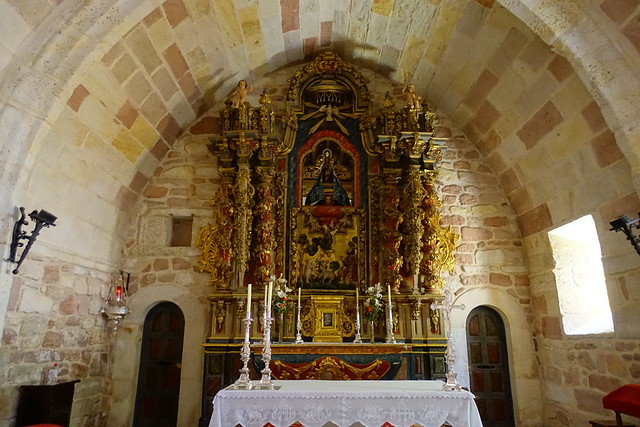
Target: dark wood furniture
[[50, 404]]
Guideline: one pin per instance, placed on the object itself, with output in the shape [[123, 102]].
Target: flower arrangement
[[280, 297], [373, 302]]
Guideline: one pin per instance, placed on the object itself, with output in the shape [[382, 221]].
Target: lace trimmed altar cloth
[[313, 403]]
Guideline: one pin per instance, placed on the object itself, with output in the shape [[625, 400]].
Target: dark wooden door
[[489, 367], [160, 365]]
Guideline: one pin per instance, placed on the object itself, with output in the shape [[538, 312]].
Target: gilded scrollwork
[[438, 244], [328, 63], [215, 239]]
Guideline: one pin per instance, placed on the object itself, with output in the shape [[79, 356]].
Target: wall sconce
[[41, 219], [116, 307], [625, 224]]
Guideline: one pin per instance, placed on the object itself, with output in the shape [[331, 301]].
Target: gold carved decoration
[[339, 198], [326, 320], [215, 239], [264, 226], [331, 368], [328, 63], [438, 243], [391, 218]]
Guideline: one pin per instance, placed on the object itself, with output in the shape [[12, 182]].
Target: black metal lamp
[[41, 219], [626, 224]]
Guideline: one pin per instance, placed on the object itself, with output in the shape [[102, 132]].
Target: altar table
[[313, 403]]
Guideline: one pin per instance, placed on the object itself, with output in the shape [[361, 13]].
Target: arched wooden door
[[160, 365], [489, 367]]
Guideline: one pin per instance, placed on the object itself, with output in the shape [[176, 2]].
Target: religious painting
[[326, 236], [326, 248]]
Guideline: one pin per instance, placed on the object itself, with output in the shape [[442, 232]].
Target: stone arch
[[525, 383], [127, 351], [583, 40]]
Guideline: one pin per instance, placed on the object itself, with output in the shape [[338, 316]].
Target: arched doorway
[[489, 367], [160, 366]]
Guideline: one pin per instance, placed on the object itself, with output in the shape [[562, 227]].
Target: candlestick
[[358, 338], [244, 381], [390, 337], [265, 381], [299, 339]]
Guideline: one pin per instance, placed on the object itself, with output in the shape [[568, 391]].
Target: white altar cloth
[[372, 403]]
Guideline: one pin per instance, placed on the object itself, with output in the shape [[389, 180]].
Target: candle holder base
[[452, 382], [244, 382], [265, 382]]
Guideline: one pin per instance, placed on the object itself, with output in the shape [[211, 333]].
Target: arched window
[[582, 292]]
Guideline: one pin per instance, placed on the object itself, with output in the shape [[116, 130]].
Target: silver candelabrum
[[391, 339], [450, 356], [358, 338], [244, 382], [299, 326], [265, 381]]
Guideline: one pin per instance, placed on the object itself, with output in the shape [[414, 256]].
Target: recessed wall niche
[[181, 231]]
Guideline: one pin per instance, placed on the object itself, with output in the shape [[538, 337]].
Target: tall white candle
[[249, 301], [358, 308], [389, 289], [266, 289], [270, 296], [299, 292]]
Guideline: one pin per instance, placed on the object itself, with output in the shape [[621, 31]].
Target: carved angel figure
[[239, 95], [412, 98]]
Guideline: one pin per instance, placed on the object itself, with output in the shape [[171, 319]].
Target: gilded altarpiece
[[334, 193]]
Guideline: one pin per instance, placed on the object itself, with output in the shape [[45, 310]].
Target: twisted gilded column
[[414, 214], [264, 225], [391, 218], [243, 194]]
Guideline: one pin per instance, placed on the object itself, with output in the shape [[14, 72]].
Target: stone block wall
[[54, 317]]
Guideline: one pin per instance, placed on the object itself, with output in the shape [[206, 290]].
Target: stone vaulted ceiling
[[95, 92]]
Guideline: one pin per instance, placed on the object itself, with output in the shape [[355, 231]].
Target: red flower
[[369, 308]]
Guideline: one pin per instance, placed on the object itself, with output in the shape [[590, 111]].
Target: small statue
[[327, 190], [412, 98], [239, 95], [388, 101]]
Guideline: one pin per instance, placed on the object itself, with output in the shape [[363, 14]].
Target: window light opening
[[582, 290]]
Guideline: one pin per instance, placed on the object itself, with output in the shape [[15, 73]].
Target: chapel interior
[[470, 165]]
